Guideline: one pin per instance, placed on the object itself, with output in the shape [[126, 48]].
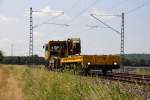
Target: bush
[[1, 56]]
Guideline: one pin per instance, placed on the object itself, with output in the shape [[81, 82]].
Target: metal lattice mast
[[31, 35], [122, 43], [120, 33]]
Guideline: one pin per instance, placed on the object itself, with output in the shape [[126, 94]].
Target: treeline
[[129, 59], [23, 60], [136, 62], [1, 56], [40, 60]]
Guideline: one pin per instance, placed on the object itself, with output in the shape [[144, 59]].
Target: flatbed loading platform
[[93, 61]]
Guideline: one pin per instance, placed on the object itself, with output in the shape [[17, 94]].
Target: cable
[[73, 6], [57, 24], [107, 15], [140, 6], [118, 4], [83, 11], [45, 22], [106, 24]]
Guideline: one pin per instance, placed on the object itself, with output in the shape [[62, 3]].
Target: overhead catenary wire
[[61, 13], [70, 9], [106, 15], [120, 33], [118, 4], [91, 27], [57, 24], [108, 26], [79, 14], [127, 12], [32, 27], [51, 23], [73, 6], [137, 8], [83, 11], [67, 25]]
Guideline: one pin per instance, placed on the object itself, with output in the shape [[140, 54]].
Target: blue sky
[[14, 25]]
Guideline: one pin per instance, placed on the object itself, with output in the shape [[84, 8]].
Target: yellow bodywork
[[47, 55], [72, 59], [92, 59]]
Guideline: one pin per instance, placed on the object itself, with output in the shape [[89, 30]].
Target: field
[[19, 82]]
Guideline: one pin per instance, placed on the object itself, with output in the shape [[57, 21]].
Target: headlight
[[115, 63], [88, 63]]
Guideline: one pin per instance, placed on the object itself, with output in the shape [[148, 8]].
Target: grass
[[141, 71], [40, 84]]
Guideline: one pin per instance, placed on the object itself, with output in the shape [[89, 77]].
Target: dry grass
[[40, 84], [140, 71]]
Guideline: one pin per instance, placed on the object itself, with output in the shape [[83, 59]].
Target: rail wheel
[[104, 71], [47, 65]]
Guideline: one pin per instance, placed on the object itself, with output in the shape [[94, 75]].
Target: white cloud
[[96, 12], [7, 19], [4, 40], [46, 11]]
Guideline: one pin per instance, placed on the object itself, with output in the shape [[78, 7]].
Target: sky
[[95, 37]]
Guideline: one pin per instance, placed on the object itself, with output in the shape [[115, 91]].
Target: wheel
[[47, 64], [104, 71], [86, 71]]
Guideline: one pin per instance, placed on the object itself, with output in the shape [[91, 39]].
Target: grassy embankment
[[40, 84]]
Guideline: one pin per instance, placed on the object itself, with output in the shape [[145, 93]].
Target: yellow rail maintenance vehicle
[[66, 55]]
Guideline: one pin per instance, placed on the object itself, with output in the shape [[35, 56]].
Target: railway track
[[124, 77], [130, 78]]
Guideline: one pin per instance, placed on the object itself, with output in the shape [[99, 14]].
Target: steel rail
[[130, 78]]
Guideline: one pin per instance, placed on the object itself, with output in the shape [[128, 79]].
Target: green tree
[[142, 62], [36, 59], [148, 63], [1, 56], [134, 62], [126, 62]]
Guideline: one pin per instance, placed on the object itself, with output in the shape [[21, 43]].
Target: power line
[[118, 4], [138, 7], [83, 11], [32, 27], [57, 24], [106, 15], [92, 26], [106, 24], [74, 5], [120, 33]]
